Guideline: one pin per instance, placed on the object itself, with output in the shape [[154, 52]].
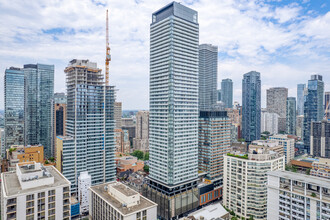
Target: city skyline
[[278, 52]]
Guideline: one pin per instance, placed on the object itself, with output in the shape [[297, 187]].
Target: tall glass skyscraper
[[327, 104], [313, 106], [208, 76], [300, 98], [251, 99], [89, 144], [227, 92], [14, 107], [173, 122], [39, 91], [291, 115]]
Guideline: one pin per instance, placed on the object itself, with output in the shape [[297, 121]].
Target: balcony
[[66, 195], [285, 186], [11, 209], [298, 189], [11, 216], [66, 214]]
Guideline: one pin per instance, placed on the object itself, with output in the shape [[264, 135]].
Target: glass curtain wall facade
[[14, 107], [208, 76], [251, 97], [173, 122], [90, 123], [313, 106], [327, 105], [300, 98], [291, 116], [39, 91], [227, 92]]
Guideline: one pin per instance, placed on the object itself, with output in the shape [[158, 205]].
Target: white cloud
[[286, 52]]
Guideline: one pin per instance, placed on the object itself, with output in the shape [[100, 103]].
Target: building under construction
[[90, 123]]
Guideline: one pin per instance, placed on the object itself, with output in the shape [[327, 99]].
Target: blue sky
[[286, 41]]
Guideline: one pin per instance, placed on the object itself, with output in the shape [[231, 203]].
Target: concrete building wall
[[276, 103]]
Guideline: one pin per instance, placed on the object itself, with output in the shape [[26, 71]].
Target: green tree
[[241, 140], [251, 217], [46, 162], [146, 168], [146, 156], [294, 169], [139, 154], [52, 159]]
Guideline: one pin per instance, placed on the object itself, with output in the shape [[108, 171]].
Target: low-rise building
[[245, 177], [210, 190], [119, 202], [213, 212], [20, 153], [84, 182], [297, 196], [129, 163], [34, 192], [321, 168]]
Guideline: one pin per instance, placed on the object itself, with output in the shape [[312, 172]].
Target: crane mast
[[108, 56]]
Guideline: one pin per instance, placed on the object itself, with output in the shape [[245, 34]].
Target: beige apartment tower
[[141, 140]]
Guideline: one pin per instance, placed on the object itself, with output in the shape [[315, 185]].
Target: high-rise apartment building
[[300, 98], [219, 95], [58, 117], [34, 192], [320, 139], [245, 178], [227, 92], [122, 141], [39, 91], [141, 140], [213, 141], [327, 105], [208, 76], [276, 103], [251, 97], [313, 107], [90, 125], [118, 114], [14, 108], [291, 116], [300, 126], [297, 196], [269, 122], [173, 122]]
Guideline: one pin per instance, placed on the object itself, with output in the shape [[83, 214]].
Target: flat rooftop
[[124, 190], [323, 182], [144, 202], [13, 187]]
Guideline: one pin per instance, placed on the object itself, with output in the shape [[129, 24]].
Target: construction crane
[[108, 56]]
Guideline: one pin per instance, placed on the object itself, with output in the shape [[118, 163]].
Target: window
[[29, 197], [41, 195]]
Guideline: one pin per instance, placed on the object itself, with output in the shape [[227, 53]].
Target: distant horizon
[[286, 41]]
